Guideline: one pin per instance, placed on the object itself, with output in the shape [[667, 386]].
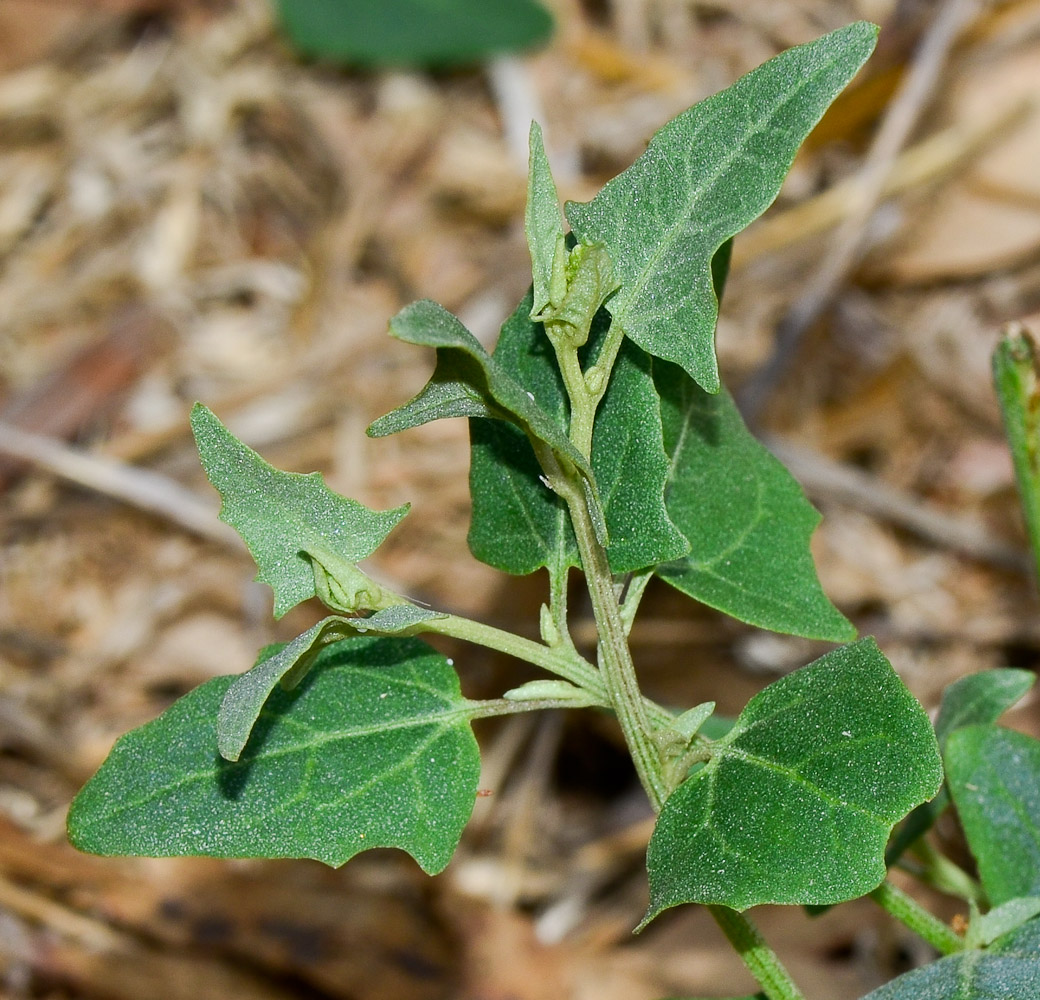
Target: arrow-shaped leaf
[[704, 177], [748, 521], [796, 803], [288, 519], [372, 749]]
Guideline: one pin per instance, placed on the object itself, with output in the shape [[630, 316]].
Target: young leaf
[[412, 32], [373, 749], [288, 520], [985, 928], [705, 176], [518, 525], [994, 777], [797, 801], [747, 520], [467, 382], [543, 220], [1008, 970], [981, 697], [1016, 375], [289, 664]]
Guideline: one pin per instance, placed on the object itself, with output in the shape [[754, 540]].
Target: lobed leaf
[[289, 520], [289, 664], [373, 749], [705, 176], [796, 803], [519, 525], [747, 520], [994, 778], [412, 32], [1008, 970]]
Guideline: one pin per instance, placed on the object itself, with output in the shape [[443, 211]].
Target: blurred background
[[191, 210]]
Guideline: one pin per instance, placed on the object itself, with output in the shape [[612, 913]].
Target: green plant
[[411, 32], [603, 441]]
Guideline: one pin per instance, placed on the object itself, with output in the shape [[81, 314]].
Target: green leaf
[[981, 697], [748, 521], [372, 749], [518, 525], [543, 221], [994, 777], [705, 176], [289, 521], [412, 32], [797, 801], [467, 382], [1009, 970], [985, 928], [1016, 375], [289, 664]]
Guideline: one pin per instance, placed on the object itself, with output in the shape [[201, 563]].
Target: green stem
[[908, 911], [941, 873], [1015, 373], [761, 960], [561, 661], [616, 667]]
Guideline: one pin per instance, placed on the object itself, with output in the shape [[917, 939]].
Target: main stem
[[615, 659], [616, 666]]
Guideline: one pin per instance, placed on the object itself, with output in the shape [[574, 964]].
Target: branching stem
[[908, 911]]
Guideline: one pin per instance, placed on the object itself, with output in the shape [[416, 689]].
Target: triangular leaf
[[994, 777], [747, 520], [373, 749], [797, 801], [290, 663], [289, 519], [518, 524], [1009, 970], [704, 177]]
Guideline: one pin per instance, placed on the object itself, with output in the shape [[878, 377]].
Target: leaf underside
[[748, 521], [705, 176], [372, 749], [994, 778], [797, 803], [1008, 970], [282, 516], [290, 663]]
